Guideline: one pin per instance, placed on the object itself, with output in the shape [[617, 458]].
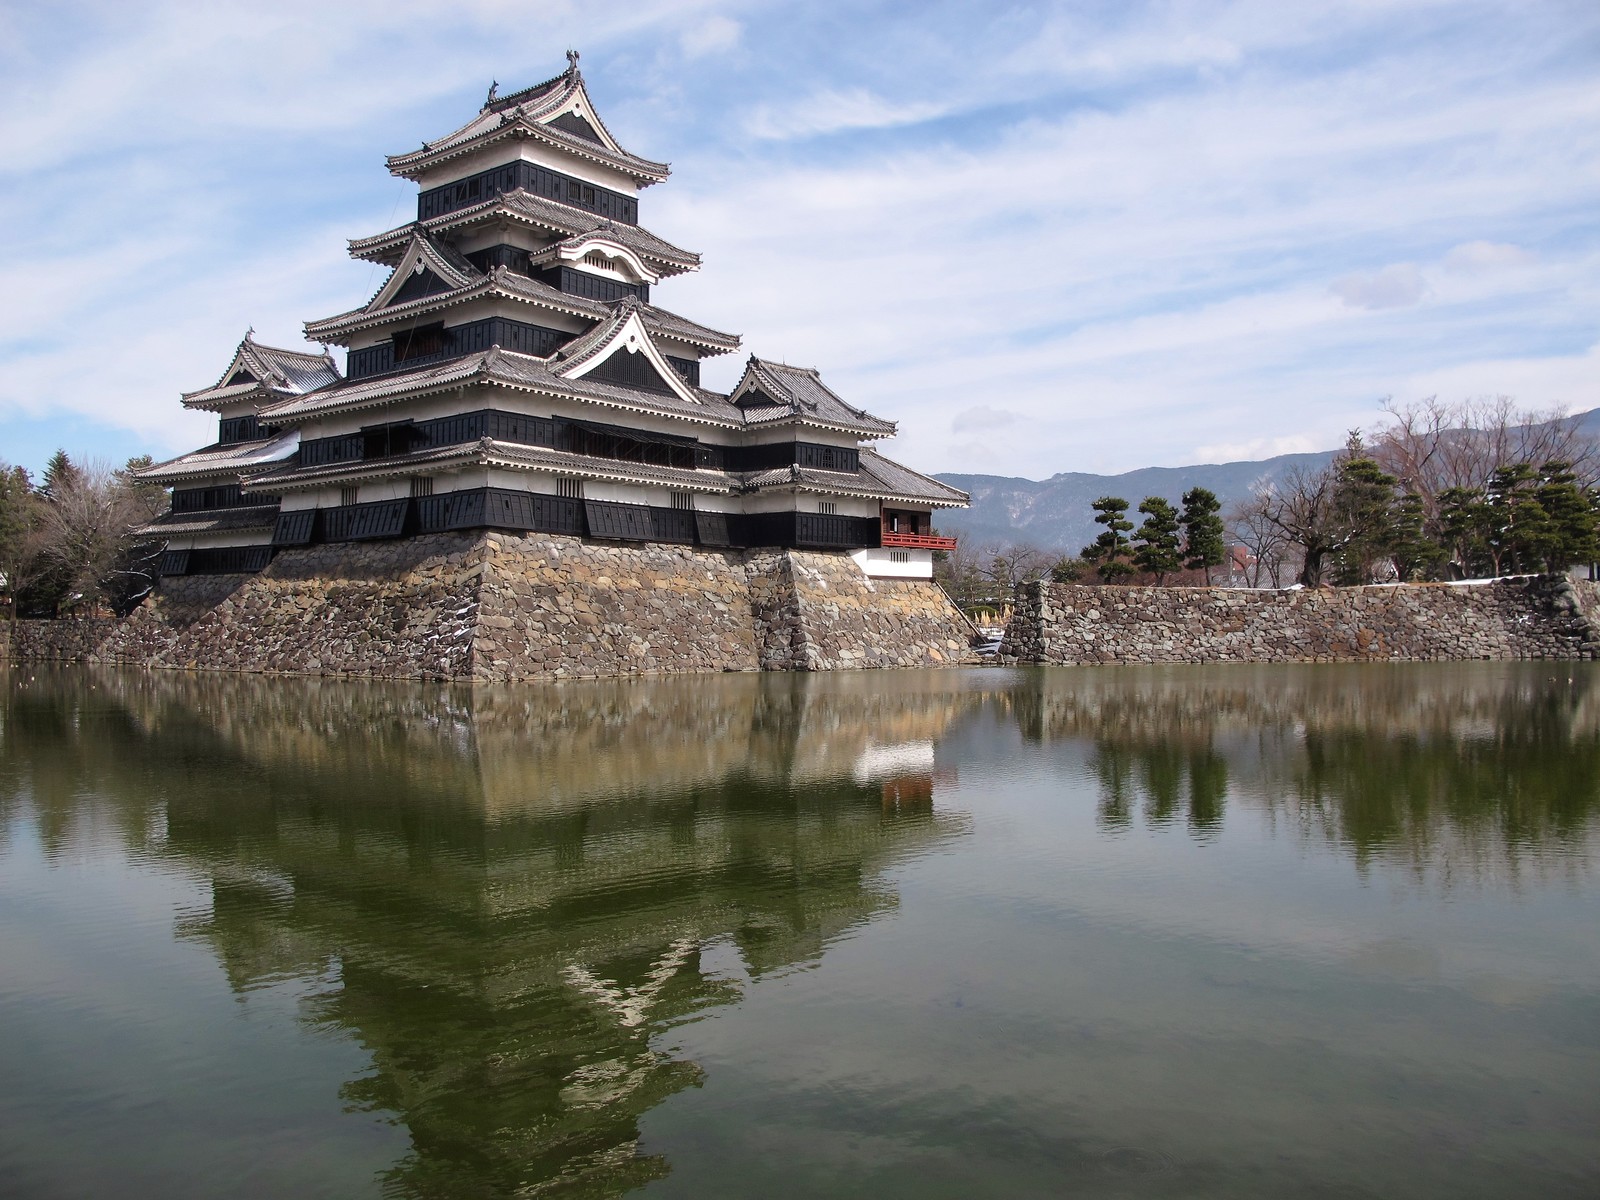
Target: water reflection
[[508, 892], [506, 896], [1453, 771]]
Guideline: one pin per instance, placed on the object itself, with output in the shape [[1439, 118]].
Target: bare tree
[[1433, 446], [88, 526], [1250, 525]]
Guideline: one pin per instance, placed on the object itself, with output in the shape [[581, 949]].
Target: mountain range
[[1054, 514]]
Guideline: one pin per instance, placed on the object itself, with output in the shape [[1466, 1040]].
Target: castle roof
[[462, 281], [488, 452], [523, 207], [270, 371], [880, 478], [226, 520], [222, 461], [557, 113], [772, 393], [504, 368]]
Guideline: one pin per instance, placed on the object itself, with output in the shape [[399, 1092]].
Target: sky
[[1072, 236]]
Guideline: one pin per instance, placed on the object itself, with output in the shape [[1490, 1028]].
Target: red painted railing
[[918, 541]]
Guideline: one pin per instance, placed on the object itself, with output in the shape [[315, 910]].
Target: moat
[[1220, 931]]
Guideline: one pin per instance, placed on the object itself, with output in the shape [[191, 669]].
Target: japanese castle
[[513, 373]]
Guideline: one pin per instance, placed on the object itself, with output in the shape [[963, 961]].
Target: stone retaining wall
[[1503, 619], [497, 607]]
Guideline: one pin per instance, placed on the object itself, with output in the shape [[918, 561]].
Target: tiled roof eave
[[333, 329], [258, 516], [479, 374], [417, 162], [490, 453], [829, 488], [672, 260], [212, 399], [878, 430]]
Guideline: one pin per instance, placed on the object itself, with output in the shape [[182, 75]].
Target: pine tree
[[1363, 499], [1569, 533], [1204, 546], [60, 473], [1157, 550], [1109, 551]]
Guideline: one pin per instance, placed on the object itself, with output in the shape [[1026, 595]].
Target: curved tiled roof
[[880, 478], [226, 520], [798, 394], [219, 460], [526, 114], [491, 453], [276, 372], [551, 215], [505, 368]]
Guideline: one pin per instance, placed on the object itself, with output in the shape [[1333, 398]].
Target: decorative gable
[[423, 270], [621, 352]]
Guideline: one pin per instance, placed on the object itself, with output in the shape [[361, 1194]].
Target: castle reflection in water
[[508, 893]]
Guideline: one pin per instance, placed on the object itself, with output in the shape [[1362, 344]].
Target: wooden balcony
[[918, 541]]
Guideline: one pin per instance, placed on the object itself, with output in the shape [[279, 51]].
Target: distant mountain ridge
[[1054, 513]]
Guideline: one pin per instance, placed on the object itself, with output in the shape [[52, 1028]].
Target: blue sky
[[1042, 237]]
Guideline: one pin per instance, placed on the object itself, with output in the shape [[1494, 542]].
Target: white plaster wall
[[221, 539], [878, 562], [504, 152]]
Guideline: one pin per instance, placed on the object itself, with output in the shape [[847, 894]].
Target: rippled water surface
[[1250, 932]]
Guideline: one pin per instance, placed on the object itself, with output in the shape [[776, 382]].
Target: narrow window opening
[[349, 495], [422, 485], [570, 489], [828, 508], [900, 556], [683, 501]]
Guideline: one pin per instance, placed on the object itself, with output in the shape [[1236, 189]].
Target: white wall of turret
[[527, 150]]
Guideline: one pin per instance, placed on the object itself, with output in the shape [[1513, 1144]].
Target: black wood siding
[[189, 500], [541, 181], [629, 368], [472, 338], [593, 287], [364, 522], [499, 508], [219, 560], [296, 528], [784, 454], [689, 368], [232, 430]]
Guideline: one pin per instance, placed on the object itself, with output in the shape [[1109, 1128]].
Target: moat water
[[1220, 932]]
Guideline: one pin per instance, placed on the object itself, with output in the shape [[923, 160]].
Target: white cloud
[[1255, 448], [1399, 285], [715, 35], [833, 111], [1481, 256]]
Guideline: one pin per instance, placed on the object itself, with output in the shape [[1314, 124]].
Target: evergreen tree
[[1416, 555], [1465, 528], [1108, 552], [1569, 534], [1204, 546], [1519, 528], [1363, 499], [1157, 550], [60, 474]]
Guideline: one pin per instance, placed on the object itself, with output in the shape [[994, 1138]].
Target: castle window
[[683, 500], [349, 495], [828, 508], [900, 556], [422, 485], [595, 259], [571, 489]]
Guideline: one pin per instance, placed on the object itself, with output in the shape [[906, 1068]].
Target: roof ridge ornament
[[572, 62], [494, 91]]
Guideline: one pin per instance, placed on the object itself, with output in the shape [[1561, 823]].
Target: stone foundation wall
[[1504, 619], [55, 641], [497, 607]]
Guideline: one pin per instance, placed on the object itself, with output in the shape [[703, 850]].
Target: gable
[[571, 122], [631, 369], [419, 284], [240, 376]]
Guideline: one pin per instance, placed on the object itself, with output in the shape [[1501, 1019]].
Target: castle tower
[[513, 372]]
